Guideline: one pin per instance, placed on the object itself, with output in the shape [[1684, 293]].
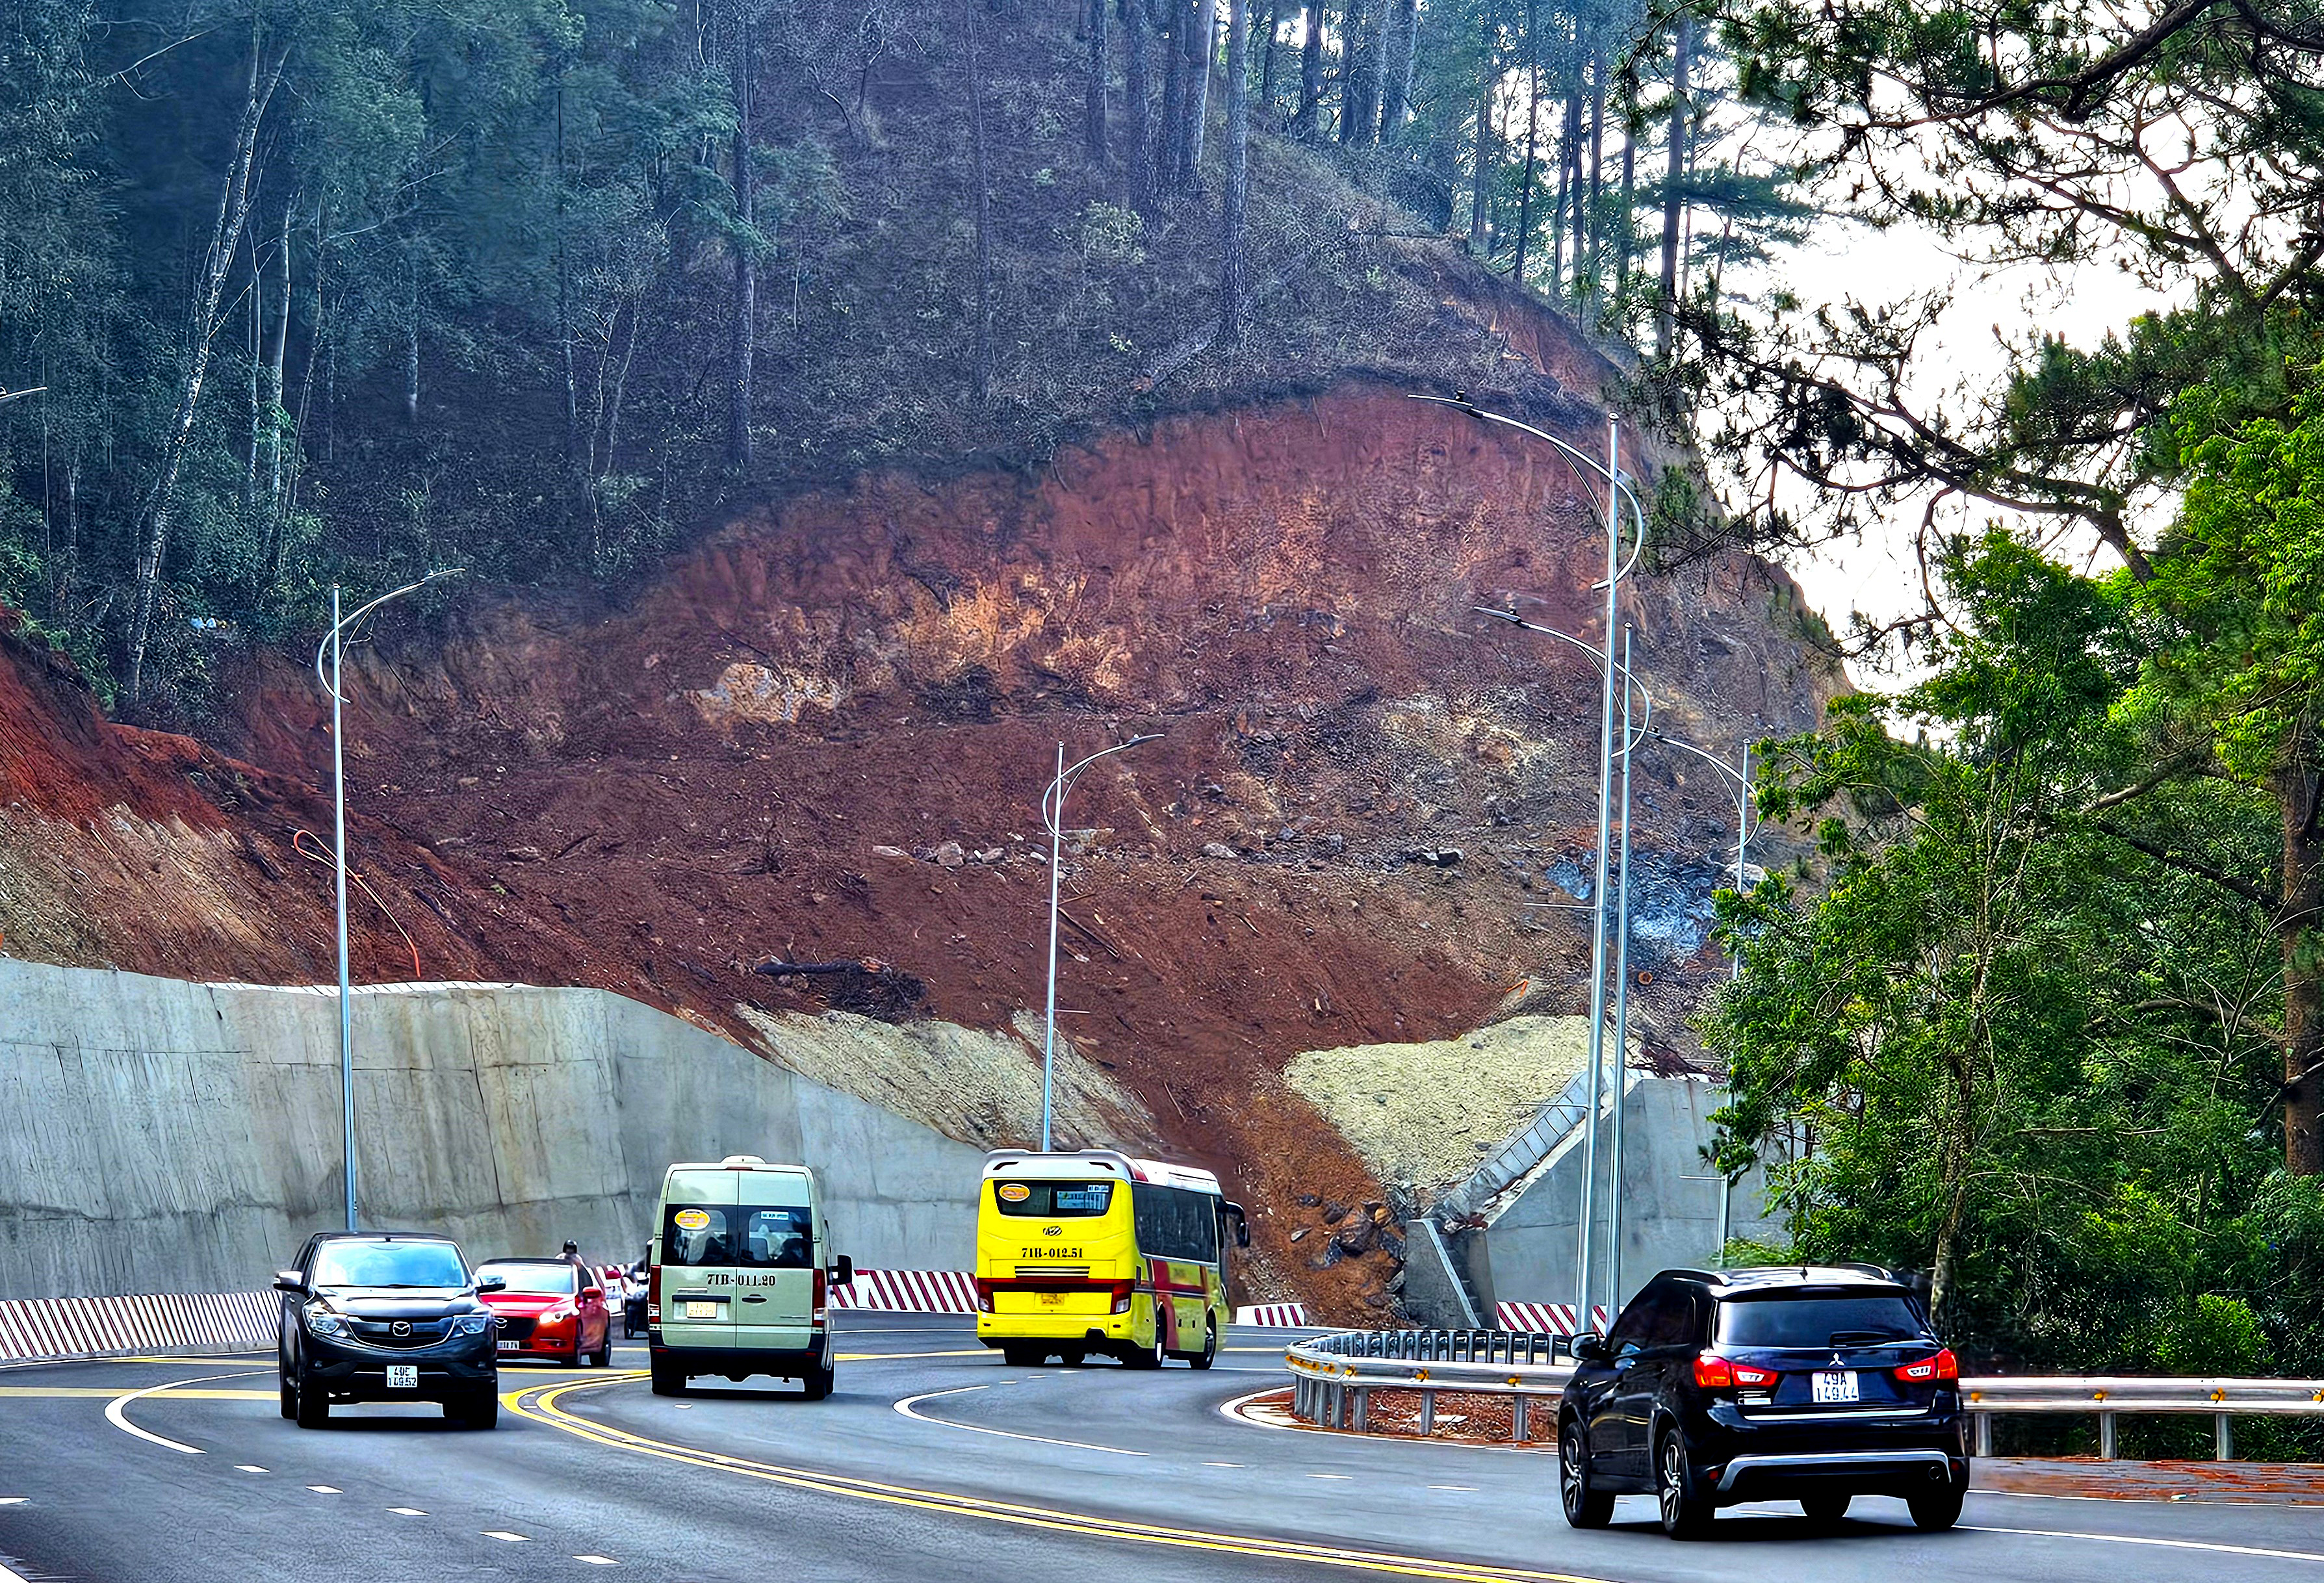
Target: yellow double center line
[[540, 1404]]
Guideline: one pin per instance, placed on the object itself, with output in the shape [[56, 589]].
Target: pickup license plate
[[1836, 1386], [511, 1346], [402, 1376], [708, 1311]]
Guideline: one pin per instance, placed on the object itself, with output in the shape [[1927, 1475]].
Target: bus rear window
[[1054, 1200]]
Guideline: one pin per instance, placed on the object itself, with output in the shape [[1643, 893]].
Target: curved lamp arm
[[1742, 785], [1053, 801], [1575, 458], [1597, 657], [349, 619]]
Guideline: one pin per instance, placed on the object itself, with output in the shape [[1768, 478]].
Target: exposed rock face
[[730, 768]]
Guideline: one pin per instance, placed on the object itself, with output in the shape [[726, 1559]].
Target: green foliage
[[2000, 1040]]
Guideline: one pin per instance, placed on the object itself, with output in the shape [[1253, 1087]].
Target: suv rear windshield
[[389, 1264], [1054, 1200], [531, 1277], [767, 1236], [1815, 1320]]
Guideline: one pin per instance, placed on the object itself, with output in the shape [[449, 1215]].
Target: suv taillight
[[1714, 1373], [1945, 1365]]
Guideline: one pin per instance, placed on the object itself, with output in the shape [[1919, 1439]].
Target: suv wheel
[[1685, 1507], [1586, 1507], [1938, 1507]]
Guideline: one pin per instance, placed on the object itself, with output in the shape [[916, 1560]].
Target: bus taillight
[[984, 1295], [1121, 1291]]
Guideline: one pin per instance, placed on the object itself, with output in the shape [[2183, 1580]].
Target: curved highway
[[932, 1459]]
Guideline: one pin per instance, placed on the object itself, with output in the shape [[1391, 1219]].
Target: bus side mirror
[[1241, 1224], [843, 1271]]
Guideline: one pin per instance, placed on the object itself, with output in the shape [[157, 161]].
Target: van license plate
[[702, 1311], [402, 1376], [1836, 1386]]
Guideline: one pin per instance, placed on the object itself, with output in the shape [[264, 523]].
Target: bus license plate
[[702, 1311], [1052, 1299], [1836, 1386], [402, 1376]]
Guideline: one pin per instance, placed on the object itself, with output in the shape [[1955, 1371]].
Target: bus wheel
[[1021, 1356], [1210, 1352], [1147, 1357]]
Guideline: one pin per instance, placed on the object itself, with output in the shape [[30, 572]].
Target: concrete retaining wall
[[1670, 1215], [169, 1136]]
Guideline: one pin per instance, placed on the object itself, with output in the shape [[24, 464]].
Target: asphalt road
[[932, 1459]]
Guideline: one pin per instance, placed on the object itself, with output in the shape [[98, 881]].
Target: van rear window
[[768, 1237], [1054, 1200]]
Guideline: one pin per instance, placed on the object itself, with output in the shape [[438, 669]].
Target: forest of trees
[[342, 287]]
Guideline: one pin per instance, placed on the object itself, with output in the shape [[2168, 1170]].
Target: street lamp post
[[1741, 779], [1617, 569], [333, 642], [1053, 816]]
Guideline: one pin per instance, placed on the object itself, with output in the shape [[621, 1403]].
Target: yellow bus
[[1096, 1253]]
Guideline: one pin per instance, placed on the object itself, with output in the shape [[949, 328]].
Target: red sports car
[[552, 1308]]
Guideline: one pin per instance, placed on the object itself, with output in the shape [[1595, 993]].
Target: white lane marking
[[509, 1538], [1340, 1476], [2225, 1550], [13, 1500], [406, 1511], [248, 1467], [326, 1489], [908, 1403], [598, 1560], [1464, 1488], [116, 1409], [2188, 1499], [1222, 1464]]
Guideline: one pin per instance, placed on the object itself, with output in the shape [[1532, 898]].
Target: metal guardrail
[[1334, 1376]]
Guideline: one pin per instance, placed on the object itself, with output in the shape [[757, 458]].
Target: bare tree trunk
[[411, 336], [1093, 96], [274, 358], [1673, 182], [1481, 164], [1404, 44], [564, 299], [1592, 222], [1311, 74], [745, 340], [980, 376], [1174, 96], [1532, 121], [201, 330], [1628, 223], [1571, 189], [1360, 66], [1237, 195], [254, 345], [1140, 94], [1269, 53], [2297, 791], [1201, 47], [272, 555]]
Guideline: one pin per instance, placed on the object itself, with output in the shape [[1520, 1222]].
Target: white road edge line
[[115, 1411], [8, 1576], [908, 1403], [1233, 1410], [2228, 1550]]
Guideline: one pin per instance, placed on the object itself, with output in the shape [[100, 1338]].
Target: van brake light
[[820, 1314], [1945, 1365]]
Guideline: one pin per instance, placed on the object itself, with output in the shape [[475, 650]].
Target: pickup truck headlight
[[324, 1322], [472, 1324]]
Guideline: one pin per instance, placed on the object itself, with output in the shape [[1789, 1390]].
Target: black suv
[[385, 1317], [1717, 1387]]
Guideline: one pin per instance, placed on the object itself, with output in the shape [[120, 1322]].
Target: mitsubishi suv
[[1716, 1388], [380, 1317]]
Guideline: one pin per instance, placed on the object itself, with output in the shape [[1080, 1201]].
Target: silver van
[[740, 1273]]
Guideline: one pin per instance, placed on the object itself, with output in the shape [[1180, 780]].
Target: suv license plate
[[402, 1376], [1836, 1386]]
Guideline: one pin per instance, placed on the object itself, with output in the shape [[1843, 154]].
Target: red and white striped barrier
[[1548, 1319], [81, 1327], [908, 1291], [1281, 1316]]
